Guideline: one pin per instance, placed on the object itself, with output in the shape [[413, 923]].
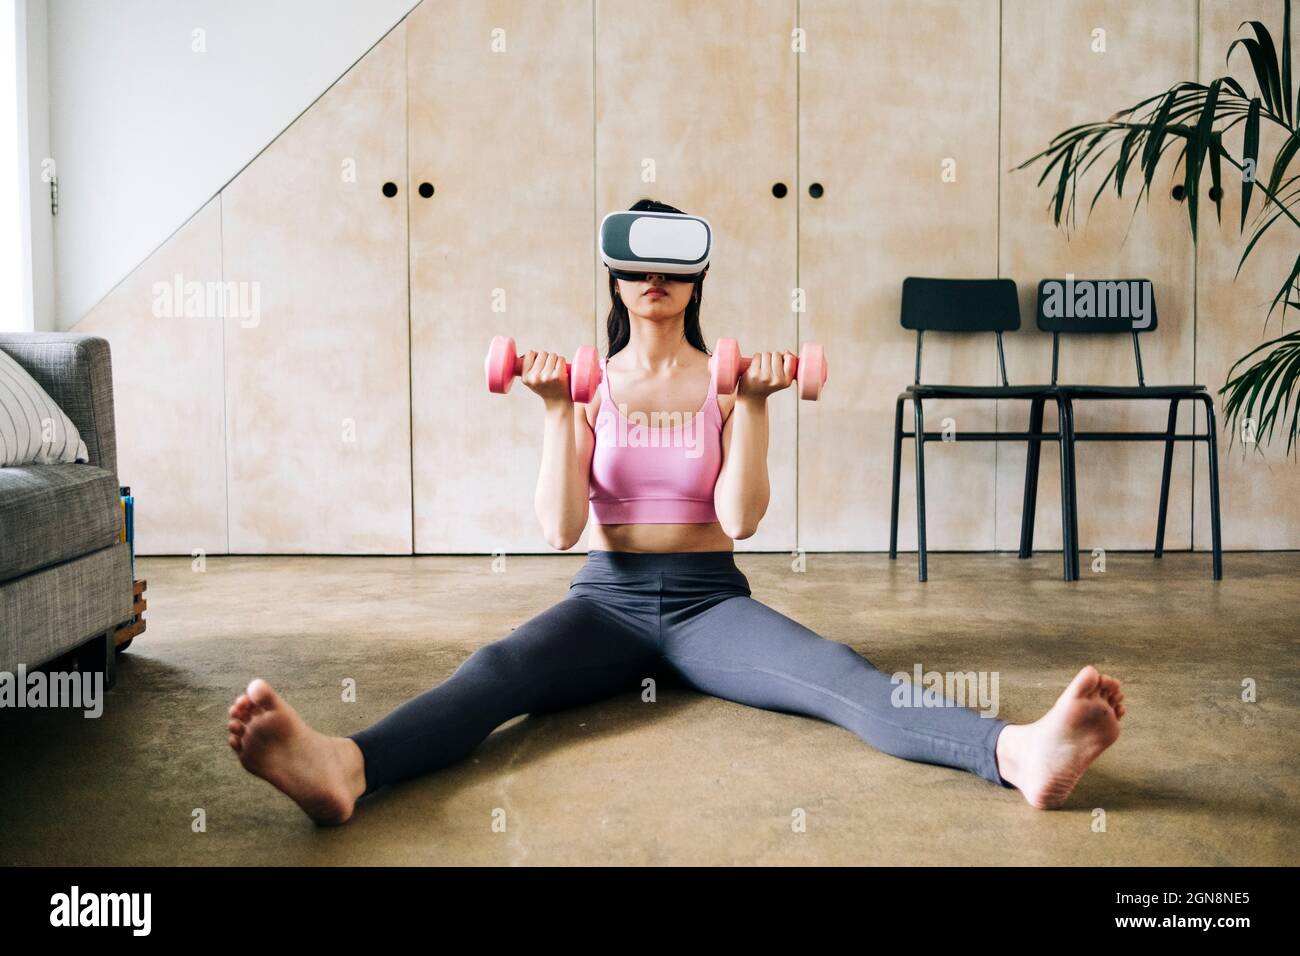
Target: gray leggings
[[687, 615]]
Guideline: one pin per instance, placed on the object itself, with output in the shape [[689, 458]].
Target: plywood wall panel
[[500, 112], [701, 97], [1259, 484], [317, 381], [888, 93], [168, 389], [351, 415], [709, 106], [1052, 79]]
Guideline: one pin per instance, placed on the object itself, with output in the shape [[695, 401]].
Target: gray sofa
[[65, 577]]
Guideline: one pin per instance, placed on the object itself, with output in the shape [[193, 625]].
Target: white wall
[[145, 128], [13, 254], [39, 221]]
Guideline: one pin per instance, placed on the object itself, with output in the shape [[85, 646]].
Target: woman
[[660, 594]]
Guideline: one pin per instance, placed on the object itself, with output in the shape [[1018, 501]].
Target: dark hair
[[618, 327]]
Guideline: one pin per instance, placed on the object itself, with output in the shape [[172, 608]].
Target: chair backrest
[[960, 305], [1096, 307]]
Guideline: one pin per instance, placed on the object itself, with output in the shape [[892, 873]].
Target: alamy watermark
[[76, 690], [1130, 299], [975, 689], [133, 911], [659, 430], [179, 299]]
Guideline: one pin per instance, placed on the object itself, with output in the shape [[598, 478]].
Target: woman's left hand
[[768, 372]]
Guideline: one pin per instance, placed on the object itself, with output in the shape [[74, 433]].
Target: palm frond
[[1277, 372], [1192, 118]]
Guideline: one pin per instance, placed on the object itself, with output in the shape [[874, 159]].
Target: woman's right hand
[[545, 374]]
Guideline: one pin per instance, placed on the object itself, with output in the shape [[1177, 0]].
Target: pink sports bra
[[657, 468]]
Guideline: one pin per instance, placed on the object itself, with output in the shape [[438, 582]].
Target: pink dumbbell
[[727, 365], [504, 364]]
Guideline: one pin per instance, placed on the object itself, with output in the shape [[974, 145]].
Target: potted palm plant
[[1194, 118]]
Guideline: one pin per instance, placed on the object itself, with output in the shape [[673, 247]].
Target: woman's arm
[[567, 444], [742, 492]]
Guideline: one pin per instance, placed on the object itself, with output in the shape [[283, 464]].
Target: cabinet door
[[500, 106], [696, 107], [163, 323], [1145, 48], [317, 342], [898, 124]]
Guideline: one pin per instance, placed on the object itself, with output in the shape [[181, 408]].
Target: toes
[[235, 743], [1114, 700], [236, 728], [1086, 681], [261, 694]]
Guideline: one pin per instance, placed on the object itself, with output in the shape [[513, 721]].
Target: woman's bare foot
[[1045, 759], [323, 775]]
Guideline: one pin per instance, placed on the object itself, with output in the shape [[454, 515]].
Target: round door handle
[[426, 190], [390, 190], [1178, 192], [779, 190], [816, 190]]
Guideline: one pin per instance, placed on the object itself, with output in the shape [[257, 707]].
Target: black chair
[[972, 305], [1115, 307]]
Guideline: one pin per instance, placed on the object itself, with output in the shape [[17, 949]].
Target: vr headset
[[638, 244]]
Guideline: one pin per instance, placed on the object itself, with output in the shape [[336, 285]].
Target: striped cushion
[[33, 429]]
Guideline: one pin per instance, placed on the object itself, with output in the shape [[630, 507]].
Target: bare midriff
[[658, 538]]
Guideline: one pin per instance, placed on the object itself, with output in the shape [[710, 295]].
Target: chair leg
[[1164, 478], [893, 501], [1029, 509], [919, 418], [1064, 428], [1074, 495], [1212, 443]]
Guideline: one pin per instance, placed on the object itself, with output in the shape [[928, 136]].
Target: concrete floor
[[1198, 776]]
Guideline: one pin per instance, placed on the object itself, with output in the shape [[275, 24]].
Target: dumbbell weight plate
[[725, 365], [584, 375], [812, 371], [501, 365]]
